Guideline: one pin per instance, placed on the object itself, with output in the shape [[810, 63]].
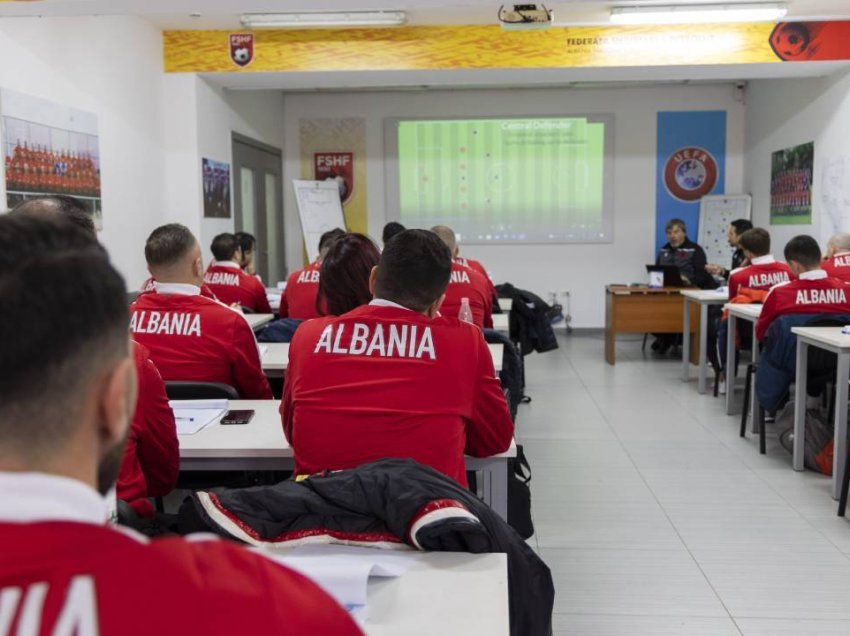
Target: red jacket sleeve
[[283, 310], [246, 367], [490, 431], [156, 447], [286, 401], [488, 310], [261, 299], [768, 314]]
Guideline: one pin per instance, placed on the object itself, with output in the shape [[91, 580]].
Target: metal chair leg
[[748, 387], [762, 435], [643, 346], [845, 485]]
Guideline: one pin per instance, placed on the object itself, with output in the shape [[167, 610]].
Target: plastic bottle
[[465, 313]]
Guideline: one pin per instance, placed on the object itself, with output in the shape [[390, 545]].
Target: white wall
[[582, 269], [785, 113]]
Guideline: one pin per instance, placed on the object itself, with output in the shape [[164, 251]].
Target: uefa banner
[[691, 163]]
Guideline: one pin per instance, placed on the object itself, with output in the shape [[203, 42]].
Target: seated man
[[192, 338], [247, 244], [814, 291], [392, 378], [390, 230], [465, 283], [836, 262], [736, 229], [229, 283], [64, 569], [302, 287]]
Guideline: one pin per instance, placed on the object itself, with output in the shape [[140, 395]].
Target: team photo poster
[[791, 185], [216, 180]]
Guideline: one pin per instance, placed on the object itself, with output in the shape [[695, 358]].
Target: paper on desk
[[199, 404], [193, 415], [263, 350]]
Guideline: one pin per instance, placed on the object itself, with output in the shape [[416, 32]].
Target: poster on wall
[[791, 185], [49, 148], [216, 181]]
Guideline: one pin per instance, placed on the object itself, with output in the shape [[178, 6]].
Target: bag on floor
[[820, 433], [519, 495]]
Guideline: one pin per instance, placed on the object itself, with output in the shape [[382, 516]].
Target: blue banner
[[691, 164]]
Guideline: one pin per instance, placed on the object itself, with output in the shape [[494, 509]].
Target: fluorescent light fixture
[[699, 14], [322, 19]]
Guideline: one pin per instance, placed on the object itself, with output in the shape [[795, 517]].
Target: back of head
[[804, 250], [756, 241], [344, 279], [840, 242], [741, 226], [245, 241], [45, 264], [390, 230], [447, 235], [414, 270], [167, 246], [59, 205], [224, 247], [327, 240]]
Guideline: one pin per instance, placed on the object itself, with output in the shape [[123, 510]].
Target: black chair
[[200, 391], [131, 297]]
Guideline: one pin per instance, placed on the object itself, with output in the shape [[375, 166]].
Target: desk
[[831, 339], [641, 310], [500, 322], [505, 304], [260, 445], [703, 298], [258, 321], [749, 313]]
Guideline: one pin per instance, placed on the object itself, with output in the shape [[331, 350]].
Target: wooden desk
[[643, 310], [703, 298]]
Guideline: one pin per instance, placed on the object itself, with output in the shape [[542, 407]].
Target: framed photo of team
[[791, 185]]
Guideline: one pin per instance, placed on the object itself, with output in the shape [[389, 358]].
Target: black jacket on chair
[[528, 322]]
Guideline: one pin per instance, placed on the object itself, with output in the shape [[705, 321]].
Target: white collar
[[382, 302], [837, 254], [231, 264], [33, 497], [815, 274], [181, 289], [763, 260]]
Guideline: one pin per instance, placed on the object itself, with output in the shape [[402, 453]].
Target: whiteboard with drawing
[[716, 212], [320, 210]]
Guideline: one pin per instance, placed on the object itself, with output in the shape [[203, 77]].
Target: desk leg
[[703, 345], [731, 332], [610, 334], [754, 399], [610, 347], [494, 478], [840, 452], [686, 341], [800, 404]]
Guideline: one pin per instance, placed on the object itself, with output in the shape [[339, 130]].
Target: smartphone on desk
[[237, 417]]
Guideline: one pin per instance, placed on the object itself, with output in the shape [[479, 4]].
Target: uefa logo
[[690, 173]]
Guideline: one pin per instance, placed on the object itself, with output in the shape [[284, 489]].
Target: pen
[[185, 419]]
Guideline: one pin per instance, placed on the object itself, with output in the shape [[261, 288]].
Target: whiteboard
[[320, 210], [716, 213]]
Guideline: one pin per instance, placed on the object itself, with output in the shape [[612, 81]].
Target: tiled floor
[[657, 519]]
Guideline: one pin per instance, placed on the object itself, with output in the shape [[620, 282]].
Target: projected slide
[[505, 180]]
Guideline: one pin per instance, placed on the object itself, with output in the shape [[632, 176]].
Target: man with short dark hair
[[50, 206], [393, 378], [465, 283], [247, 244], [192, 338], [229, 283], [734, 233], [64, 570], [390, 230], [298, 300], [814, 291]]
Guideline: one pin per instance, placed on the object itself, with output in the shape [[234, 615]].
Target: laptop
[[667, 275]]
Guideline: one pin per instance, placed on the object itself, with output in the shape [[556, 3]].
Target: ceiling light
[[699, 14], [322, 19]]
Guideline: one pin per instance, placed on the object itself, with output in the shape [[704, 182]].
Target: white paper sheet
[[193, 415]]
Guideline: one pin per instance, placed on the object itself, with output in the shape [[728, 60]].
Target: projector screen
[[511, 180]]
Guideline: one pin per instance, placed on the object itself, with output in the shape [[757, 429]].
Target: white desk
[[505, 304], [751, 314], [261, 445], [704, 298], [500, 322], [257, 321], [831, 339]]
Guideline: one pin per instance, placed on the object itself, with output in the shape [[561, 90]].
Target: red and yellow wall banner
[[467, 47]]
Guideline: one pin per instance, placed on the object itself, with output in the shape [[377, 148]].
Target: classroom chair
[[200, 391]]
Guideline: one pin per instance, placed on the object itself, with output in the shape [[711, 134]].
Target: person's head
[[736, 229], [174, 256], [390, 230], [225, 248], [414, 271], [59, 205], [447, 235], [247, 243], [327, 240], [802, 254], [77, 358], [838, 244], [677, 232], [755, 242], [344, 278]]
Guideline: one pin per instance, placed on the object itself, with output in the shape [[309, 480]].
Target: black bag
[[519, 495]]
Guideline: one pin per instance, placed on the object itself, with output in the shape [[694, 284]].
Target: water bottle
[[465, 313]]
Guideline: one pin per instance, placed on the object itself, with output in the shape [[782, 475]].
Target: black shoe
[[656, 344]]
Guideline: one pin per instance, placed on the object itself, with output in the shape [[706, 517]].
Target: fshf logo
[[690, 173], [242, 48]]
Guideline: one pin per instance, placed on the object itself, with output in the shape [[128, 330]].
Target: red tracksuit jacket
[[192, 338], [384, 381], [812, 293], [64, 571], [465, 282], [299, 298], [838, 266], [471, 263], [231, 285], [763, 273], [152, 456]]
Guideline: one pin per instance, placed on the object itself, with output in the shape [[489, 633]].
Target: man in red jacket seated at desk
[[192, 338], [393, 378], [814, 291], [465, 283], [836, 261], [63, 569], [298, 300], [229, 283]]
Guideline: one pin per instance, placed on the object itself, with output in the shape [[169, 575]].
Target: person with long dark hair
[[344, 279]]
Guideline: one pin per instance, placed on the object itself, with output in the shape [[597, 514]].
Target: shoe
[[656, 344], [721, 387]]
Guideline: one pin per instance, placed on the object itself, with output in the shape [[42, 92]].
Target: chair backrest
[[200, 391], [131, 297]]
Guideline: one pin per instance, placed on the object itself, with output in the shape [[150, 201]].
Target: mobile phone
[[237, 417]]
